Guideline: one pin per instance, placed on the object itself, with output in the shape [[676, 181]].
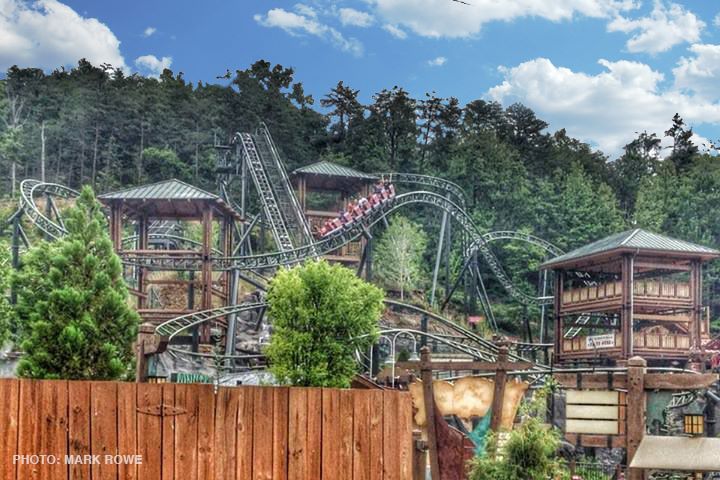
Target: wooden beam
[[476, 366], [661, 318], [679, 381], [499, 392], [598, 381]]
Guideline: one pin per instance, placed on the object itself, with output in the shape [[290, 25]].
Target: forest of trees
[[96, 125]]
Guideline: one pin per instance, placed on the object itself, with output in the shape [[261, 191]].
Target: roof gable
[[330, 169], [637, 239], [172, 189]]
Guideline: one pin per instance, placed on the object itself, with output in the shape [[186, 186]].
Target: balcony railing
[[609, 293]]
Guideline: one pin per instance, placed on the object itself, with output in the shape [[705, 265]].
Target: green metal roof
[[637, 239], [166, 190], [333, 170]]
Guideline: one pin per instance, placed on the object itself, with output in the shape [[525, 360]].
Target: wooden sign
[[592, 412]]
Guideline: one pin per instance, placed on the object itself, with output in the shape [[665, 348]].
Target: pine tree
[[75, 322]]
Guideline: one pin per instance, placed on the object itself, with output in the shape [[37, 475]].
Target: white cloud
[[700, 74], [304, 23], [149, 31], [152, 65], [443, 18], [48, 34], [604, 109], [716, 20], [395, 31], [355, 18], [664, 28], [437, 62]]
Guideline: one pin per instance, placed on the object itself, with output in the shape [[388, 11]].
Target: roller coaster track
[[28, 189], [479, 243], [453, 190]]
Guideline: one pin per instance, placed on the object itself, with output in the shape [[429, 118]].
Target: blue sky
[[602, 69]]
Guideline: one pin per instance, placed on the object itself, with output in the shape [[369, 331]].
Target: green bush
[[321, 314]]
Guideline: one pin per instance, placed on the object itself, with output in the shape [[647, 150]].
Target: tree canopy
[[73, 314], [320, 315]]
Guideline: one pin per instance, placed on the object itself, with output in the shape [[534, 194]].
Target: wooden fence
[[189, 432]]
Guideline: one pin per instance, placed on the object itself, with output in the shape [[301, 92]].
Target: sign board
[[592, 412], [600, 341]]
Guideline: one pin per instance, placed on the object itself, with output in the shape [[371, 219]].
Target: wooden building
[[632, 293], [134, 211], [324, 189]]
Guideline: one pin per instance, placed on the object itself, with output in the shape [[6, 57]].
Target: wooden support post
[[499, 393], [147, 343], [626, 315], [142, 233], [207, 260], [696, 296], [419, 457], [559, 280], [635, 411], [429, 400]]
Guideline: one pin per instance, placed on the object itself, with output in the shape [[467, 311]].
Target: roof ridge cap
[[630, 237]]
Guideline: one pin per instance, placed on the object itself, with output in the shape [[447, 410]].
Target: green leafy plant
[[6, 311], [73, 312], [529, 452], [320, 315]]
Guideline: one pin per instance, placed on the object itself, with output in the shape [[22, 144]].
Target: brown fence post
[[419, 457], [147, 343], [429, 400], [635, 412]]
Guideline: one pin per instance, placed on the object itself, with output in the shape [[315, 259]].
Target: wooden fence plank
[[404, 438], [186, 432], [149, 429], [392, 450], [314, 433], [361, 435], [9, 411], [245, 434], [226, 411], [376, 435], [53, 431], [167, 432], [206, 431], [263, 433], [79, 428], [281, 397], [297, 436], [103, 428], [29, 428], [331, 433], [346, 433], [127, 429]]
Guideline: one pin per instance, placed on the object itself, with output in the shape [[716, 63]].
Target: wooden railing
[[641, 340], [613, 290]]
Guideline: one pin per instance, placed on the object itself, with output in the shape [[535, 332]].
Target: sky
[[604, 70]]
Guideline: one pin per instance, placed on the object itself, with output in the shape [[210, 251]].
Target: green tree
[[75, 322], [321, 315], [399, 256], [162, 164], [6, 311], [683, 149]]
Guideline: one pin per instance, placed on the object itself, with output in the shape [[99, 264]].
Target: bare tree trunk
[[95, 154], [12, 175], [42, 151], [142, 150], [82, 163], [57, 165]]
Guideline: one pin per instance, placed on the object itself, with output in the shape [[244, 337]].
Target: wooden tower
[[632, 293]]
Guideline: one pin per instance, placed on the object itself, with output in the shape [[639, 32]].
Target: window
[[694, 424]]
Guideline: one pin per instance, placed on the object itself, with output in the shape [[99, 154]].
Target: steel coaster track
[[266, 192], [479, 243], [283, 189], [173, 327], [456, 193], [28, 189]]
